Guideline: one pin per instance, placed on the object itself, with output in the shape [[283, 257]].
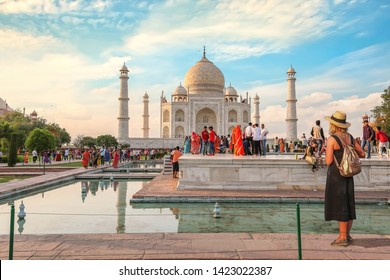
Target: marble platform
[[271, 172]]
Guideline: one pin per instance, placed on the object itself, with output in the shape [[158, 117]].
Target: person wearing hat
[[339, 190], [368, 135]]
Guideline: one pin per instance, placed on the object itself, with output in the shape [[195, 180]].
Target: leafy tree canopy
[[382, 112], [88, 141], [106, 140], [40, 140], [17, 122], [78, 141]]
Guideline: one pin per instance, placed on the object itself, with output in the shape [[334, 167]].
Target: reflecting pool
[[103, 207]]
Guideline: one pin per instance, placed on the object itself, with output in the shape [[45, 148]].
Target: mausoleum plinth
[[271, 172]]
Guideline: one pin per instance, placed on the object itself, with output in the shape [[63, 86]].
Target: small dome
[[231, 91], [180, 90], [291, 70], [34, 113], [124, 68], [146, 96]]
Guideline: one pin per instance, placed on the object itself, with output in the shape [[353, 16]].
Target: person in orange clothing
[[26, 157], [175, 160], [281, 145], [85, 158], [237, 141], [212, 139]]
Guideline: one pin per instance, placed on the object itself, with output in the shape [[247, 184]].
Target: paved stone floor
[[239, 246], [273, 246]]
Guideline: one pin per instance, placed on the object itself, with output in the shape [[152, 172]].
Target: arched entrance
[[179, 132], [206, 117]]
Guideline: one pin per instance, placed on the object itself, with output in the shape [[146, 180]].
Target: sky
[[62, 57]]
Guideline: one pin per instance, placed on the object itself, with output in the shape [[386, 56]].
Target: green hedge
[[19, 159]]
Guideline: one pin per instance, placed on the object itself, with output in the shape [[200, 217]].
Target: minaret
[[256, 116], [145, 116], [123, 119], [291, 119]]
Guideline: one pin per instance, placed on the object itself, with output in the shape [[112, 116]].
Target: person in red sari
[[195, 143], [85, 158], [237, 141], [116, 159]]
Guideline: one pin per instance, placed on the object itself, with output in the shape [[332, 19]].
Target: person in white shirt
[[304, 141], [256, 139], [249, 139], [263, 138], [34, 156]]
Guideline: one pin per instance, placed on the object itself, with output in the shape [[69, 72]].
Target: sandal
[[349, 238], [340, 242]]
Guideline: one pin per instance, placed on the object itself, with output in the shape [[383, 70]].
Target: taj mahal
[[203, 100]]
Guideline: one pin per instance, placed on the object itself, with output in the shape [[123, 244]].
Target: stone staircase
[[168, 169]]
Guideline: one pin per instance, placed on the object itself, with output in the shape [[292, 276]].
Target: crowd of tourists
[[250, 141]]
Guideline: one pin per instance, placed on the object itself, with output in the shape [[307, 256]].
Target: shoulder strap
[[339, 141], [352, 140]]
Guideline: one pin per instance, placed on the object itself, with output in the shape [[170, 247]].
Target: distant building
[[203, 101], [4, 108]]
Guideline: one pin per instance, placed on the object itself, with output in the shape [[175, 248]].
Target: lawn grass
[[5, 179], [68, 164]]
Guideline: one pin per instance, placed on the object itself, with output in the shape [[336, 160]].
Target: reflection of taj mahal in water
[[203, 100]]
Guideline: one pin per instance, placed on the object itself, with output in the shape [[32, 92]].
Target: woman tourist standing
[[187, 145], [195, 143], [116, 159], [85, 158], [339, 191]]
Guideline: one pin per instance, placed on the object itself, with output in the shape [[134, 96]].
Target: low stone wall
[[275, 172], [156, 143]]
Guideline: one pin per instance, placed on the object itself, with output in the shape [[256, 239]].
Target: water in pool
[[103, 207]]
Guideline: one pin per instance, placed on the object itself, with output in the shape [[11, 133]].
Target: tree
[[13, 151], [78, 141], [88, 141], [40, 140], [106, 140], [382, 112], [62, 136]]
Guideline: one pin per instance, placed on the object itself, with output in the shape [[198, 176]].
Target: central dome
[[204, 76]]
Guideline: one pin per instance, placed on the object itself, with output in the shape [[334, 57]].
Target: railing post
[[299, 233], [11, 233]]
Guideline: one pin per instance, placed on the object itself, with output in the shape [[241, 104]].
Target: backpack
[[350, 163]]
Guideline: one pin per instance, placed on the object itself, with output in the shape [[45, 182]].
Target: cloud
[[50, 6], [232, 29]]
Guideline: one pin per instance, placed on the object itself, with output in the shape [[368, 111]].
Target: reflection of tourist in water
[[175, 212], [94, 187]]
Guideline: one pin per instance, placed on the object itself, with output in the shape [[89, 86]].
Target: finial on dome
[[204, 51]]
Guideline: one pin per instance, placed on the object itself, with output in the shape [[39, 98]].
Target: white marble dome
[[180, 90], [204, 76], [231, 91]]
